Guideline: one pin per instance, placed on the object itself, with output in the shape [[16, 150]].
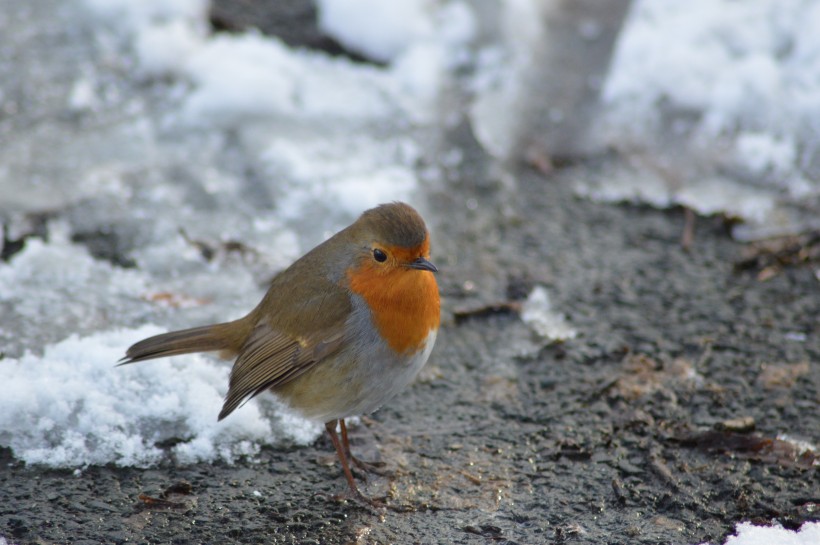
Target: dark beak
[[423, 265]]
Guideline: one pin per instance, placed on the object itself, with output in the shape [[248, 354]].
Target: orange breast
[[404, 303]]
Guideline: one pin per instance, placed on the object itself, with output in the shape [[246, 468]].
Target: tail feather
[[208, 338]]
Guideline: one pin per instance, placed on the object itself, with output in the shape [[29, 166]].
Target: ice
[[720, 94], [538, 313], [801, 446], [750, 534]]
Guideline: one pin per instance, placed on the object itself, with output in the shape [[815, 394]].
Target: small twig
[[150, 501], [688, 235], [506, 307]]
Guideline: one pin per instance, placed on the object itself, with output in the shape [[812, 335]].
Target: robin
[[340, 332]]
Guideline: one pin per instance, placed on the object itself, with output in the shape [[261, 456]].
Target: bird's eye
[[379, 255]]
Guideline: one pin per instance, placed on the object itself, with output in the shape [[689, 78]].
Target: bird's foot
[[370, 467]]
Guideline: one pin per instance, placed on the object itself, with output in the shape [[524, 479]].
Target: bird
[[338, 333]]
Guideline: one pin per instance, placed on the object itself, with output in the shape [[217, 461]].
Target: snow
[[538, 313], [400, 23], [52, 416], [749, 534], [386, 31], [736, 84], [44, 288], [69, 406]]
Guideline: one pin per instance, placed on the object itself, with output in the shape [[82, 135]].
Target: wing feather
[[271, 358]]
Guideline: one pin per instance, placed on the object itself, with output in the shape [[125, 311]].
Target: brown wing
[[271, 357]]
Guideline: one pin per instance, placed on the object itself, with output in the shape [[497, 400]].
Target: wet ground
[[662, 422]]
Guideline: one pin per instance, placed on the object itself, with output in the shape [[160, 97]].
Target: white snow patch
[[354, 175], [72, 407], [802, 446], [384, 31], [55, 287], [543, 319], [749, 534], [723, 90], [376, 29]]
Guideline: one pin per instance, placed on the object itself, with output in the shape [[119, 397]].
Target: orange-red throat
[[404, 300]]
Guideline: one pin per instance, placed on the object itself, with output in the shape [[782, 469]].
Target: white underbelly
[[378, 378], [394, 377]]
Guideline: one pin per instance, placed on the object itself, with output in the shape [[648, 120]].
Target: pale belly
[[354, 383]]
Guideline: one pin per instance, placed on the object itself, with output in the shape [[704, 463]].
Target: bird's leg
[[343, 450], [361, 464], [340, 452], [345, 442]]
